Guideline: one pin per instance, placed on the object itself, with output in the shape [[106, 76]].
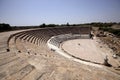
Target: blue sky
[[36, 12]]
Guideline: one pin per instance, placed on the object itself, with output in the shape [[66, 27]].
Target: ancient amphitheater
[[41, 54]]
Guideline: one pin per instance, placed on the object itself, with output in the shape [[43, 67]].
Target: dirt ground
[[88, 49]]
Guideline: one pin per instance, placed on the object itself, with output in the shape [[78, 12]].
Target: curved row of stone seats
[[36, 38], [23, 36], [16, 35], [43, 40], [44, 34], [21, 39], [41, 36], [57, 40], [12, 65], [28, 39], [26, 70], [21, 47]]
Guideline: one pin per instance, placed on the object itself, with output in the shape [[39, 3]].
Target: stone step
[[22, 73], [17, 62], [17, 67], [6, 55], [7, 60], [34, 75]]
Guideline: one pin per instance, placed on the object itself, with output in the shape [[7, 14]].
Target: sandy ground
[[86, 49]]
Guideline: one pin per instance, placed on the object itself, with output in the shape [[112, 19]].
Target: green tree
[[43, 25], [5, 27], [67, 24]]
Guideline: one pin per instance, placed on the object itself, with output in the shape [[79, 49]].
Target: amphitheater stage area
[[88, 50], [85, 49]]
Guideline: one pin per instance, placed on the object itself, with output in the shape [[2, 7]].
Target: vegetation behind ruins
[[111, 30]]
